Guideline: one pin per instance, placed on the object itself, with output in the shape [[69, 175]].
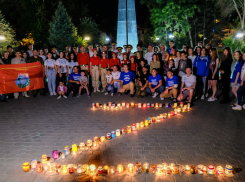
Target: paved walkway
[[210, 134]]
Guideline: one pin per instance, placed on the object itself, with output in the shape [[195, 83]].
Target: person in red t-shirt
[[133, 65], [104, 65], [124, 61], [114, 60], [94, 70], [83, 60]]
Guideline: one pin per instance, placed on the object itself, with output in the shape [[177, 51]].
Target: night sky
[[105, 14]]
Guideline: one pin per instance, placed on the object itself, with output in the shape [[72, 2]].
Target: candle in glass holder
[[129, 129], [124, 130], [74, 148], [96, 138], [228, 170], [187, 167], [137, 126], [142, 125], [89, 143], [33, 163], [139, 105], [172, 113], [148, 105], [26, 167], [118, 132], [66, 150], [108, 136], [169, 114], [113, 104], [105, 170], [99, 170], [172, 165], [179, 110], [109, 104], [158, 119], [175, 111], [152, 105], [123, 104], [146, 167], [130, 168], [159, 168], [70, 168], [94, 144], [164, 166], [93, 105], [219, 170], [132, 104], [112, 170], [156, 105], [210, 169], [79, 168], [85, 168], [118, 105], [44, 159], [146, 122], [133, 127], [113, 134], [165, 115], [127, 105], [119, 168], [138, 167], [92, 168], [161, 116], [55, 154], [39, 167], [166, 105], [200, 169], [175, 104], [144, 105], [97, 105], [64, 169], [62, 155], [181, 104], [153, 168], [153, 119], [102, 138]]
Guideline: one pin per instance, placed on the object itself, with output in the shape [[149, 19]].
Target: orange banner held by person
[[21, 77]]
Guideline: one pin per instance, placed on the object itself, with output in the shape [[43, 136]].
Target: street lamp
[[2, 37], [107, 39], [239, 35], [87, 38], [171, 36], [157, 38]]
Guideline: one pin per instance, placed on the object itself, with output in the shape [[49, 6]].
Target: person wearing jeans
[[155, 84], [74, 81], [116, 76], [109, 82]]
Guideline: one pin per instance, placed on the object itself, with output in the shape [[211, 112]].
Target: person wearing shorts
[[188, 85]]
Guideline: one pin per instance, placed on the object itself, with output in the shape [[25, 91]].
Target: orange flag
[[21, 77]]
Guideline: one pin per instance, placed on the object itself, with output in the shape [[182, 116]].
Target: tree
[[229, 6], [61, 29], [81, 41], [103, 37], [6, 31], [89, 28]]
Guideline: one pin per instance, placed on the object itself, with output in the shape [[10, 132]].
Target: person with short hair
[[30, 50], [90, 51], [74, 81], [184, 62], [171, 45], [149, 54], [188, 85], [113, 47], [5, 58], [84, 84], [103, 66], [116, 78], [109, 82], [191, 55], [200, 44], [10, 51], [119, 53], [61, 90], [142, 82], [114, 60], [177, 59], [67, 52], [155, 84], [126, 78], [171, 89], [94, 70], [25, 55], [107, 53], [83, 60], [162, 53], [54, 52], [18, 60]]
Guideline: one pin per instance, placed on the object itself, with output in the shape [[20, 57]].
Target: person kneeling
[[171, 86], [84, 84], [142, 82], [126, 78], [109, 83], [74, 82], [188, 85], [61, 90]]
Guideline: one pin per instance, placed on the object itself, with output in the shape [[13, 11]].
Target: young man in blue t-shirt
[[74, 81], [155, 84], [171, 89], [126, 79]]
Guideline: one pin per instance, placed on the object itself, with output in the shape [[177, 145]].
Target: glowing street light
[[107, 39], [2, 37], [87, 38], [171, 36], [239, 35], [157, 38]]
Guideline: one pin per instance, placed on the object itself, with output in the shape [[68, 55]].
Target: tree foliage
[[102, 38], [61, 30], [6, 31], [81, 41]]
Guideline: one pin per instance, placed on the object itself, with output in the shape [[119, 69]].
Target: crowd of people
[[186, 74]]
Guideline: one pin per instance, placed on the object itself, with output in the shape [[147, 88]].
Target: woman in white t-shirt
[[72, 62], [116, 76], [41, 54], [62, 69], [241, 90], [50, 73], [191, 55]]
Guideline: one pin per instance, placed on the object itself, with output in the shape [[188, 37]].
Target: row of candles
[[113, 105]]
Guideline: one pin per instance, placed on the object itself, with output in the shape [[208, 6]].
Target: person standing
[[62, 69], [18, 60], [119, 53], [10, 52], [35, 58], [30, 50], [72, 62], [177, 59], [5, 58], [139, 58], [124, 61], [103, 66], [50, 73], [171, 45], [25, 55], [225, 69], [201, 70], [148, 55], [184, 62], [191, 55], [41, 54], [114, 60], [54, 52], [98, 46], [108, 53], [198, 51], [162, 53], [68, 52], [126, 79], [213, 74], [139, 49], [155, 63], [75, 50], [83, 60], [236, 79], [94, 70], [90, 51], [113, 47]]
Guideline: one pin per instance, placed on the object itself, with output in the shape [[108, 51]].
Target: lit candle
[[66, 150], [160, 105], [210, 169], [99, 170], [97, 105], [112, 170], [57, 168], [169, 114], [102, 138], [106, 169], [219, 170], [153, 119], [148, 105], [93, 105], [133, 127], [200, 169], [228, 170], [158, 119], [96, 139], [85, 168], [181, 104], [82, 146], [188, 105], [153, 168], [113, 134], [138, 167], [118, 132], [129, 129], [118, 105], [79, 168], [62, 155], [172, 166], [146, 122], [137, 126], [179, 110], [139, 105], [152, 105], [33, 164], [161, 116], [44, 159], [94, 144], [142, 125], [55, 154], [124, 130], [172, 113], [127, 105], [132, 104], [175, 104], [26, 167], [64, 169], [108, 136], [156, 105], [130, 168], [92, 168], [119, 168], [159, 168], [74, 148], [105, 106], [175, 111], [165, 115], [39, 167], [146, 167], [89, 143], [109, 104], [123, 104], [166, 105], [187, 167], [144, 105], [165, 166], [113, 105]]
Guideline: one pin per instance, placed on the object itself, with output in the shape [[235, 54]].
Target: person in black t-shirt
[[142, 82]]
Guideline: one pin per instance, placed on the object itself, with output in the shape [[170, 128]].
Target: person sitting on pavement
[[74, 81], [188, 85], [84, 83], [126, 79], [155, 84], [116, 76], [171, 89]]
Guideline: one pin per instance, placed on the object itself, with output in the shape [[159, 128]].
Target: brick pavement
[[210, 134]]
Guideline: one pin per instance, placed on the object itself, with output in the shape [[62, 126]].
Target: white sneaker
[[206, 95], [203, 97], [238, 107], [65, 96], [95, 90], [106, 93], [98, 90], [16, 97], [51, 93], [59, 97], [112, 94], [27, 95], [211, 99], [54, 93], [162, 98], [154, 95]]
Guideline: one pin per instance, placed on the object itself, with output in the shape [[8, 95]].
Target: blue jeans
[[240, 93], [108, 87], [51, 80], [159, 89]]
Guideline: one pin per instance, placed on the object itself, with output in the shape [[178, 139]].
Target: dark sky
[[105, 14]]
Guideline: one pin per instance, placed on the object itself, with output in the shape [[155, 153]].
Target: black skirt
[[210, 74]]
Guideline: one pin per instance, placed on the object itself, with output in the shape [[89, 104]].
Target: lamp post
[[87, 38], [157, 38], [171, 36]]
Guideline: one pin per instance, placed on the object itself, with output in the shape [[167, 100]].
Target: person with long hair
[[241, 90], [62, 69], [72, 61], [213, 74], [25, 55], [225, 69], [236, 79], [155, 63], [177, 58], [198, 51], [191, 55]]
